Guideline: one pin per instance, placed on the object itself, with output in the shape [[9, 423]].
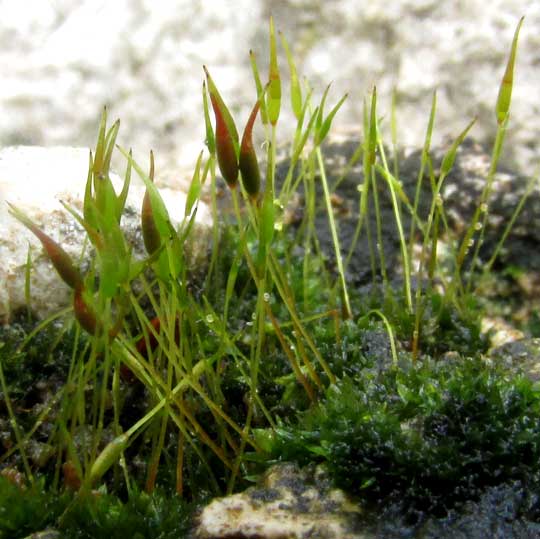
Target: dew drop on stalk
[[278, 226], [470, 243], [483, 207], [254, 316], [439, 200], [210, 318], [266, 297], [478, 226]]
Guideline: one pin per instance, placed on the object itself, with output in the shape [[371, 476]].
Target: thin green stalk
[[378, 226], [275, 272], [355, 157], [394, 130], [215, 224], [229, 344], [403, 244], [423, 162], [510, 225], [388, 327], [502, 113], [333, 230], [446, 167], [479, 219]]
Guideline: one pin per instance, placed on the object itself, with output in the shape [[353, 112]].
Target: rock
[[36, 179], [460, 194], [500, 332], [289, 503], [522, 356], [147, 66], [45, 534]]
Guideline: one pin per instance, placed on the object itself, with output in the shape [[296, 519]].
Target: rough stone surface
[[460, 194], [288, 504], [522, 356], [147, 66], [500, 332], [35, 180]]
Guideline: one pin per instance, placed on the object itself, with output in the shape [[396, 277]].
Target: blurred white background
[[63, 60]]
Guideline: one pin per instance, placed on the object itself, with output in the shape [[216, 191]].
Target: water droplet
[[478, 226], [360, 187], [483, 207], [470, 243], [254, 316], [210, 318], [278, 226], [439, 200], [266, 297]]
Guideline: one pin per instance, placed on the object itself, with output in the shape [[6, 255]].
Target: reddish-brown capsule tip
[[249, 167], [226, 136], [84, 313], [225, 150]]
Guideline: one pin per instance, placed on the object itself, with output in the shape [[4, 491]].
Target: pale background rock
[[62, 60], [287, 502], [24, 171]]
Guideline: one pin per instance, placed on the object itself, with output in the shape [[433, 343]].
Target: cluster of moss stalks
[[160, 381]]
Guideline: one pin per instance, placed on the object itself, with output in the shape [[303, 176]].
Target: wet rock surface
[[460, 194], [522, 356], [297, 503], [503, 512], [515, 270]]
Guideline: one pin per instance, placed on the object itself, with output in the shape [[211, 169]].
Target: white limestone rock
[[36, 179], [147, 67], [289, 503]]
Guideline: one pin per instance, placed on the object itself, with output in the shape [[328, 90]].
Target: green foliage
[[432, 434], [27, 510], [186, 375], [96, 516], [141, 517], [46, 354]]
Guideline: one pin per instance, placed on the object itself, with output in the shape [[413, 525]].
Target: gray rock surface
[[460, 193], [522, 356], [35, 180], [147, 62]]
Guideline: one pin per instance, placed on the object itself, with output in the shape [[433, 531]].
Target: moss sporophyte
[[192, 379]]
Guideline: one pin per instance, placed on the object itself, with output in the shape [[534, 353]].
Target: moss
[[432, 435], [27, 510], [100, 515]]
